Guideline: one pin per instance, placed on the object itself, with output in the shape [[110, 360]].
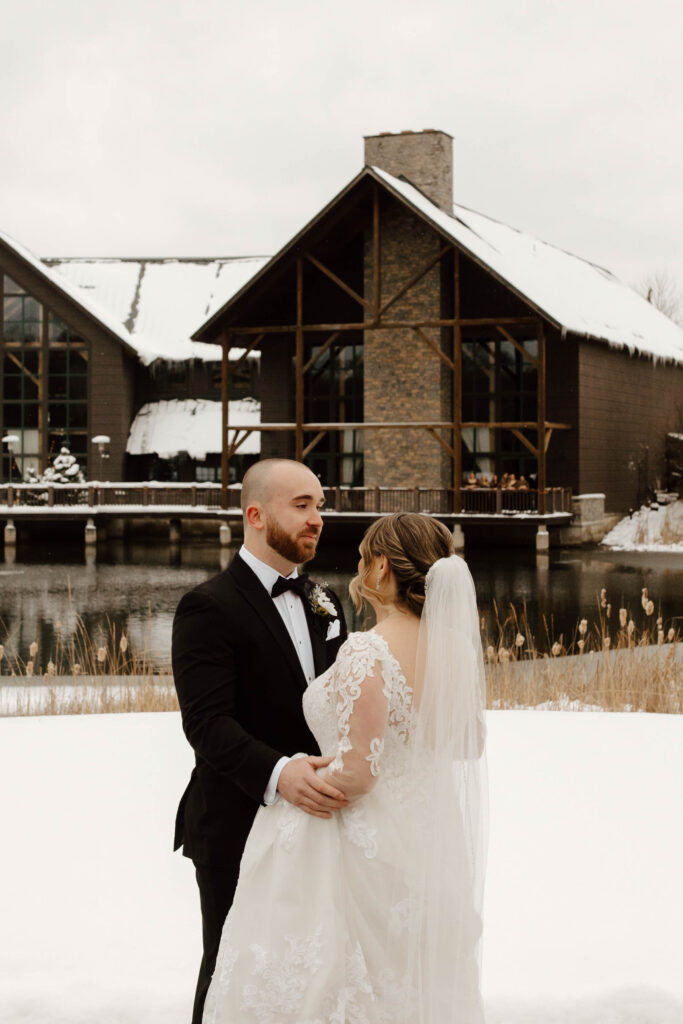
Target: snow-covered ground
[[99, 920], [649, 529]]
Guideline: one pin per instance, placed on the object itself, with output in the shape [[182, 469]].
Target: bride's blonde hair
[[411, 543]]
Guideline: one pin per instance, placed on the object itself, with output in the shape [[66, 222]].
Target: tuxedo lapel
[[256, 594], [317, 629]]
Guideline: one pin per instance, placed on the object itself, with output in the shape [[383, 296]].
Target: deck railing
[[106, 496]]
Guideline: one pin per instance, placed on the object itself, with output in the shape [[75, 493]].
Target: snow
[[83, 299], [657, 528], [162, 301], [192, 425], [153, 305], [100, 921], [579, 296]]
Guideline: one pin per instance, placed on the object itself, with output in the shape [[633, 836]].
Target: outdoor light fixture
[[102, 440], [9, 440]]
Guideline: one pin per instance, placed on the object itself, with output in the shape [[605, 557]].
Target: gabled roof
[[576, 295], [158, 302], [150, 305], [74, 294]]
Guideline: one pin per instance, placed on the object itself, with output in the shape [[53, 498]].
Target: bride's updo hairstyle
[[411, 543]]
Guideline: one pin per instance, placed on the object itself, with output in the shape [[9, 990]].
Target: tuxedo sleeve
[[206, 679]]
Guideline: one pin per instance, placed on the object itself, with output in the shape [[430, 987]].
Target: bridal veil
[[446, 820]]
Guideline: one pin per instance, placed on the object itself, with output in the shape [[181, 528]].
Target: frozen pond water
[[136, 587]]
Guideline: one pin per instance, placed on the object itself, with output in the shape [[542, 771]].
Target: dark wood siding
[[111, 403], [111, 364], [627, 405], [277, 395], [562, 406]]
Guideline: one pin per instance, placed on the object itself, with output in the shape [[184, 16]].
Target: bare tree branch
[[664, 293]]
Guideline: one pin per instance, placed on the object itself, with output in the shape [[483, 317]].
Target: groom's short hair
[[257, 481]]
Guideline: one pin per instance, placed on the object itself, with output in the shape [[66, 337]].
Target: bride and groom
[[341, 778]]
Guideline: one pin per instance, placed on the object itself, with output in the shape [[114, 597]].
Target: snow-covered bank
[[98, 919], [659, 528]]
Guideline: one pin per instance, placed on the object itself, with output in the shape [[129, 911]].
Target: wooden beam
[[456, 386], [308, 427], [238, 441], [385, 325], [442, 442], [415, 279], [18, 362], [403, 425], [337, 280], [314, 359], [311, 445], [225, 404], [520, 348], [525, 441], [541, 483], [509, 424], [299, 360], [434, 347], [376, 255], [257, 341], [548, 435]]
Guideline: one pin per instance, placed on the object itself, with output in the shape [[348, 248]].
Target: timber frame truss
[[375, 318]]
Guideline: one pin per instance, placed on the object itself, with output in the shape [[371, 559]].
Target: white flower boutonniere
[[321, 603]]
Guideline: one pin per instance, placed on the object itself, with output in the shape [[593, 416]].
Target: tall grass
[[619, 661], [616, 662], [82, 674]]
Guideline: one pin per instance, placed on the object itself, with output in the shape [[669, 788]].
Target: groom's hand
[[300, 784]]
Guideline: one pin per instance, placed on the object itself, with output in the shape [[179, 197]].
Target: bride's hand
[[300, 784]]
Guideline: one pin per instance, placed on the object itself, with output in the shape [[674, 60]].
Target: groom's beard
[[295, 549]]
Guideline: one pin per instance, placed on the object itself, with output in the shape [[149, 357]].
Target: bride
[[374, 915]]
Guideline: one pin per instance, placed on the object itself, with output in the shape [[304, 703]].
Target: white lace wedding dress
[[317, 932]]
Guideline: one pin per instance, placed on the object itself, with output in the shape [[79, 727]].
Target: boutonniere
[[321, 603]]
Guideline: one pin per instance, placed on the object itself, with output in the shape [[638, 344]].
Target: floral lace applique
[[348, 1006], [288, 826], [376, 749], [358, 831], [281, 980], [356, 661]]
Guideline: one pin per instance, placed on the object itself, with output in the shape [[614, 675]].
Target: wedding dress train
[[371, 916]]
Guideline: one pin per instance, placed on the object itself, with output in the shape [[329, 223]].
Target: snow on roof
[[82, 298], [577, 295], [191, 425], [158, 302]]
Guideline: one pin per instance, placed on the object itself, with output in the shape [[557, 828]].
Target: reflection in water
[[135, 588]]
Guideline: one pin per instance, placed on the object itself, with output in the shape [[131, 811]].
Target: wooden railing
[[480, 500]]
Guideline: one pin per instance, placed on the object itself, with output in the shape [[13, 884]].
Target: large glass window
[[498, 384], [44, 384], [334, 394], [67, 392]]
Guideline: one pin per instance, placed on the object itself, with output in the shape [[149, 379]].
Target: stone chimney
[[424, 158]]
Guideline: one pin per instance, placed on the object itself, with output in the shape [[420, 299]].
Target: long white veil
[[448, 812]]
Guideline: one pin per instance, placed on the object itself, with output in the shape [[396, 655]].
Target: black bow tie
[[283, 584]]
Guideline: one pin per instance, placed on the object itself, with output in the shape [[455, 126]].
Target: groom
[[245, 646]]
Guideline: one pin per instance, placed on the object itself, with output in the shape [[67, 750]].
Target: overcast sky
[[145, 128]]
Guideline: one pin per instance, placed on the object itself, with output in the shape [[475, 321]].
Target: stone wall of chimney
[[424, 158], [403, 378]]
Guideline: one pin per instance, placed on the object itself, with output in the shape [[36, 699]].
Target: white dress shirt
[[292, 612]]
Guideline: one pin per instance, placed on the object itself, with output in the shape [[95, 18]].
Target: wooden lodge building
[[404, 341]]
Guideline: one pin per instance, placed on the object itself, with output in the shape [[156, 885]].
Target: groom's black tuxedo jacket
[[239, 683]]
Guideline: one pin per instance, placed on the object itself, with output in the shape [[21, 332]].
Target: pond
[[135, 587]]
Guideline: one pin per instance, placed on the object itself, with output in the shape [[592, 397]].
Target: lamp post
[[102, 440], [9, 440]]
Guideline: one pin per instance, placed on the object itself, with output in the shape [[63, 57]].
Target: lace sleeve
[[361, 688]]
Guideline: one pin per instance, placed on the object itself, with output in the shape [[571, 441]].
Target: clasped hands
[[300, 784]]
